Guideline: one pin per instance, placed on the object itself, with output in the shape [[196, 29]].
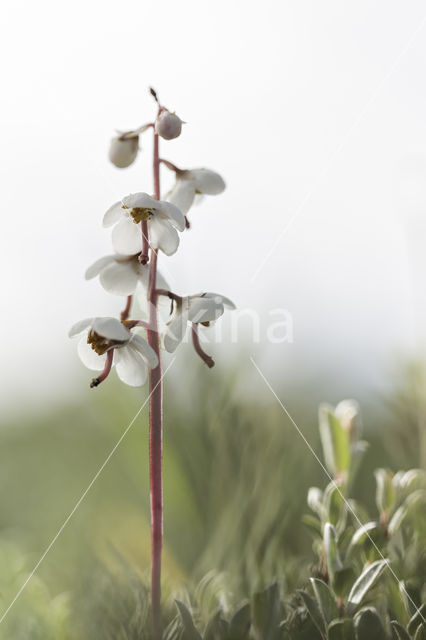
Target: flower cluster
[[142, 226]]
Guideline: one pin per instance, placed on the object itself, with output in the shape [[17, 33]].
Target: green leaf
[[366, 580], [314, 611], [326, 600], [313, 524], [189, 630], [239, 626], [343, 579], [335, 442], [334, 504], [413, 479], [334, 562], [314, 500], [358, 452], [399, 633], [417, 619], [368, 625], [217, 628], [397, 519], [420, 633], [398, 601], [341, 630], [266, 612], [404, 510], [360, 536], [385, 491]]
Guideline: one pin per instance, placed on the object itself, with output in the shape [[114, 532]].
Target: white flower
[[107, 342], [201, 308], [123, 152], [162, 218], [168, 125], [191, 182], [121, 275]]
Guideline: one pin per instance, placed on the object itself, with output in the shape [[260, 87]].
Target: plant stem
[[198, 348], [155, 429], [126, 311], [144, 257]]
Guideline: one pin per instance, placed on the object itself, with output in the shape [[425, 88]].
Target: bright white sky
[[304, 106]]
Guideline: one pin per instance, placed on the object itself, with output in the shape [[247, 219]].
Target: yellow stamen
[[140, 213], [97, 342]]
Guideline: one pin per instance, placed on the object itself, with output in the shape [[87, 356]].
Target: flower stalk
[[198, 348], [155, 426], [126, 311], [144, 257], [142, 225]]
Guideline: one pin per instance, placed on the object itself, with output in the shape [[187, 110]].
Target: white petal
[[140, 299], [145, 350], [120, 278], [142, 288], [204, 309], [207, 181], [113, 215], [89, 357], [182, 195], [123, 152], [142, 200], [111, 328], [220, 298], [131, 367], [162, 282], [80, 326], [163, 236], [171, 212], [199, 198], [142, 271], [127, 237], [176, 330], [95, 269]]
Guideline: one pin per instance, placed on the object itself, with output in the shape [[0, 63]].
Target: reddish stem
[[144, 256], [155, 429], [171, 166], [126, 311], [105, 373], [198, 348], [136, 323], [169, 294], [128, 135]]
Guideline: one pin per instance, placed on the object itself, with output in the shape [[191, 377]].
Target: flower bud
[[123, 152], [168, 125]]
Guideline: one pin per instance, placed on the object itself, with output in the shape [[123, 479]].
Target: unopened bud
[[123, 152], [168, 125]]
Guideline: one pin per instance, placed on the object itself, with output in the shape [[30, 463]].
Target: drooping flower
[[192, 182], [168, 125], [120, 275], [202, 308], [123, 151], [163, 219], [106, 342]]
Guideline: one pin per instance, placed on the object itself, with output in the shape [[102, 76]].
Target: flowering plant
[[143, 225]]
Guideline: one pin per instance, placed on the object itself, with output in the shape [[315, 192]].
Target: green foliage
[[368, 626], [335, 441], [233, 503], [189, 631]]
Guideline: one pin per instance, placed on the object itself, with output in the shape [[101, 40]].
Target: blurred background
[[315, 114]]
